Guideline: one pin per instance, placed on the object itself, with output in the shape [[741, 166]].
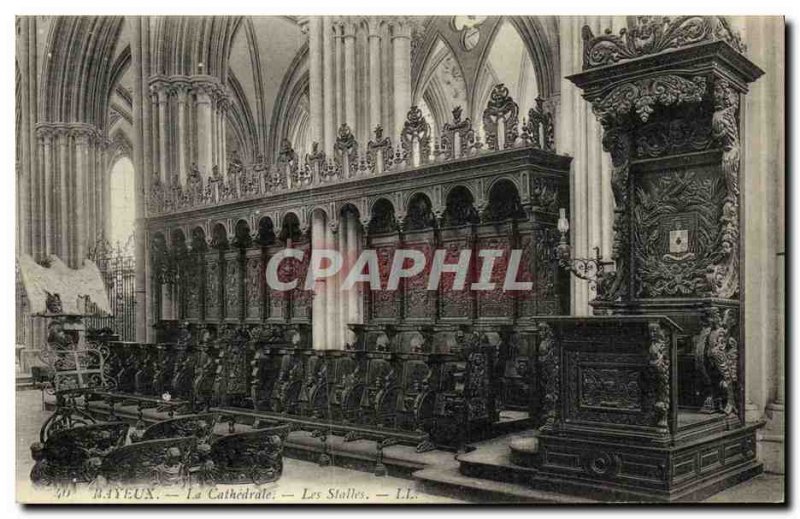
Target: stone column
[[147, 117], [401, 47], [386, 84], [183, 133], [354, 300], [338, 41], [23, 229], [318, 310], [163, 151], [331, 306], [46, 137], [315, 79], [153, 131], [89, 188], [144, 314], [103, 195], [204, 137], [374, 38], [762, 197], [580, 135], [219, 134], [212, 115], [95, 193], [79, 217], [329, 87], [362, 82], [349, 36], [342, 300], [223, 143], [63, 194], [33, 114]]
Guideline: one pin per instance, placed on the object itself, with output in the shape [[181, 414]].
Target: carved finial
[[501, 106]]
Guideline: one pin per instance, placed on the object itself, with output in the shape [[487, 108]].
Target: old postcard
[[400, 259]]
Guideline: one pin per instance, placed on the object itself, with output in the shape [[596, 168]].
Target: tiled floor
[[301, 480]]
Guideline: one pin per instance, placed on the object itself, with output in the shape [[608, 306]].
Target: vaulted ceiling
[[455, 61]]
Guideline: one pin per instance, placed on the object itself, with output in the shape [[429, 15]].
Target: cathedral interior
[[635, 163]]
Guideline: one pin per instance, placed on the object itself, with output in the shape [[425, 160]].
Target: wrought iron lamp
[[588, 269]]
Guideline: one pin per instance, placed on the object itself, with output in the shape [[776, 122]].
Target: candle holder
[[588, 269]]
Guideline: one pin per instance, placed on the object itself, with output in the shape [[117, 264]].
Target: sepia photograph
[[399, 259]]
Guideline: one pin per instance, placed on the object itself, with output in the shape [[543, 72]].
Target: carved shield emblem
[[679, 241]]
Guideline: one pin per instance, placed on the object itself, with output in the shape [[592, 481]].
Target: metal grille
[[118, 268]]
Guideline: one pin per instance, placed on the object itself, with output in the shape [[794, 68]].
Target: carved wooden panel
[[455, 303], [254, 282], [385, 304], [238, 367], [195, 296], [526, 299], [678, 228], [213, 274], [419, 301], [545, 274], [496, 302], [233, 286], [606, 387], [687, 134], [276, 300], [616, 373], [301, 298]]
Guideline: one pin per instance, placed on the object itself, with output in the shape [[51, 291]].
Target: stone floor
[[305, 482]]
